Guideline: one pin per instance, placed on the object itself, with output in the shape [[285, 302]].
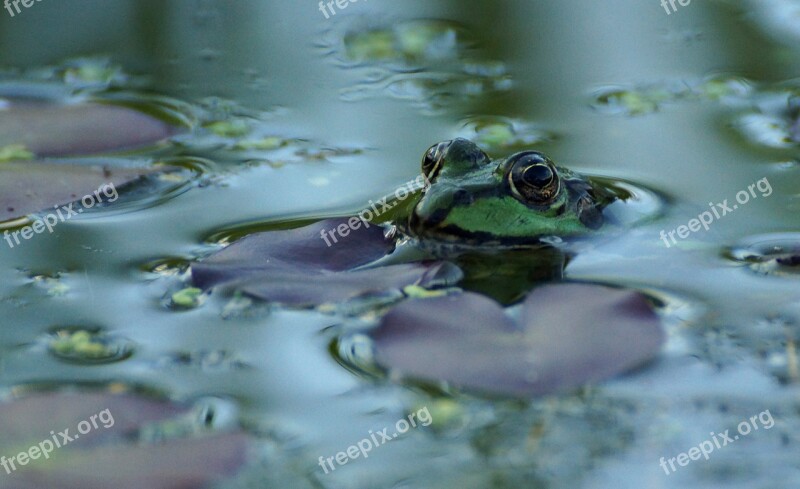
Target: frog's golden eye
[[533, 179], [432, 161]]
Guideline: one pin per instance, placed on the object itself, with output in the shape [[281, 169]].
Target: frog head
[[471, 199]]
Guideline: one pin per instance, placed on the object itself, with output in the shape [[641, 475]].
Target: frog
[[489, 226], [470, 200]]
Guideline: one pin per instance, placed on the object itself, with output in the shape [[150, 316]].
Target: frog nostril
[[462, 197]]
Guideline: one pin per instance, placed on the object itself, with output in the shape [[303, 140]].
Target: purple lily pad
[[48, 129], [28, 187], [298, 268], [99, 450], [571, 334]]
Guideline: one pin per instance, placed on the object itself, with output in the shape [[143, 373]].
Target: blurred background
[[694, 105]]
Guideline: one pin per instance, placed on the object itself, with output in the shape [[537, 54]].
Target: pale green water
[[724, 361]]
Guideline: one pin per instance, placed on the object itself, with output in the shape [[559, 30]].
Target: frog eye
[[538, 176], [533, 179], [432, 161]]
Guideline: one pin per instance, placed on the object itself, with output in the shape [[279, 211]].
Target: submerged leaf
[[26, 188], [48, 129], [570, 334], [99, 448], [310, 288], [305, 266], [85, 346], [15, 152], [189, 297]]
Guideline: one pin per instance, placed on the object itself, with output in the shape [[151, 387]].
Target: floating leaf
[[26, 188], [501, 134], [635, 101], [48, 129], [570, 334], [188, 298], [414, 41], [14, 152], [101, 449], [298, 267], [229, 129], [84, 346]]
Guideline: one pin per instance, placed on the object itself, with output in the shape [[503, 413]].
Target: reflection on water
[[303, 117]]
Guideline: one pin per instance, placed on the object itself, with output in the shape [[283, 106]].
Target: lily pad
[[87, 346], [502, 134], [568, 335], [634, 102], [28, 187], [299, 268], [413, 41], [106, 444], [48, 129]]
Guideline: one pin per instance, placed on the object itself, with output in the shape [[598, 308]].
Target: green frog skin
[[473, 200]]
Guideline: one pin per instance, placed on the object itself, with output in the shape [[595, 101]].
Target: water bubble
[[769, 254]]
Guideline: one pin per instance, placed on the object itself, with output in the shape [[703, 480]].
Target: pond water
[[693, 104]]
